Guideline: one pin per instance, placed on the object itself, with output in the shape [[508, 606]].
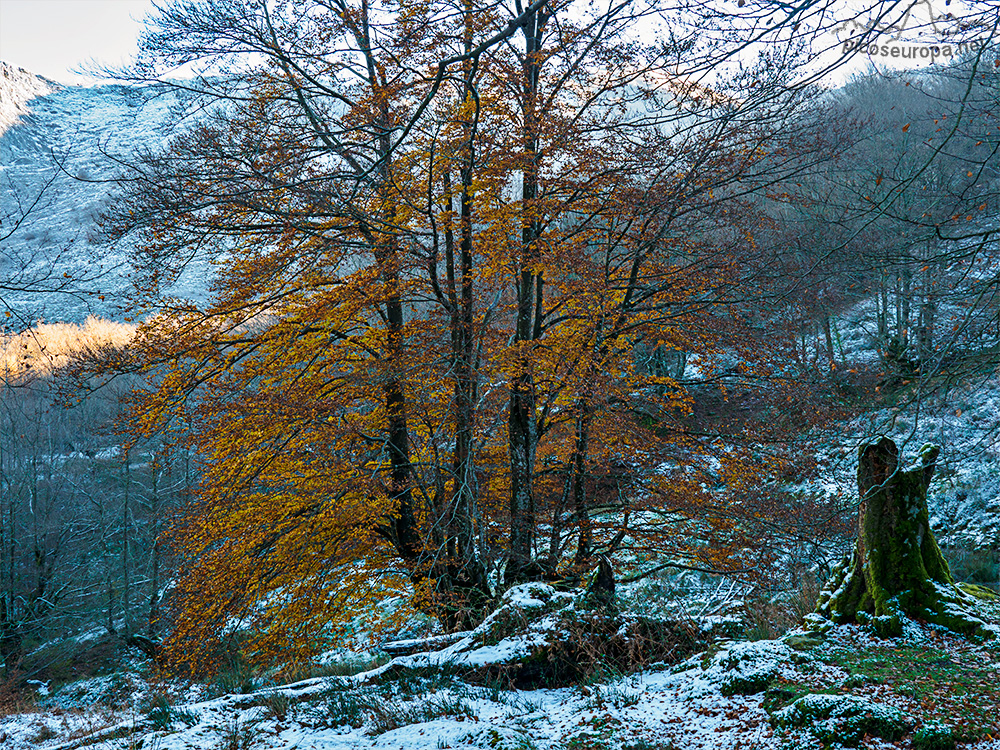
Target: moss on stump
[[897, 567]]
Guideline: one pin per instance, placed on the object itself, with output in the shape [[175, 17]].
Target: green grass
[[945, 679]]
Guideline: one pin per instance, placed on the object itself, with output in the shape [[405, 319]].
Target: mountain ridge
[[17, 87], [61, 151]]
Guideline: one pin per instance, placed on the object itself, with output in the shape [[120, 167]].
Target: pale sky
[[50, 37]]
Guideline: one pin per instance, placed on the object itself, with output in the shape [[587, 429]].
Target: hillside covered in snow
[[61, 148]]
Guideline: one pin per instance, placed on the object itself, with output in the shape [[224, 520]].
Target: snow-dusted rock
[[842, 719]]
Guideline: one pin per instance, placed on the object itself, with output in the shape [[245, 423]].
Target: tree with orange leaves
[[441, 234]]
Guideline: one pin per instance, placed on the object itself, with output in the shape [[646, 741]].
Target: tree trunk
[[927, 316], [579, 486], [897, 568], [882, 311], [521, 424], [468, 573], [903, 307], [831, 354]]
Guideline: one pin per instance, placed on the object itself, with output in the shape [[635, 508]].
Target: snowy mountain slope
[[17, 87], [57, 150]]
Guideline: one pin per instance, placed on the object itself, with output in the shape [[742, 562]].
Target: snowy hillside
[[962, 417], [17, 87], [58, 147]]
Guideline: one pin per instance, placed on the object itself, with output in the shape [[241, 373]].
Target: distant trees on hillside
[[905, 221], [79, 518]]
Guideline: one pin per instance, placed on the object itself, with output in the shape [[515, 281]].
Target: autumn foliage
[[453, 256]]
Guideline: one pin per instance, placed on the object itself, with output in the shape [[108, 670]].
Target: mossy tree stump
[[897, 567]]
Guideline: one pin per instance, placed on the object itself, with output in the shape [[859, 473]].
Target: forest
[[514, 312]]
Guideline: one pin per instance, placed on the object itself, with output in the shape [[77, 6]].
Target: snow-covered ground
[[735, 695], [684, 708], [651, 707]]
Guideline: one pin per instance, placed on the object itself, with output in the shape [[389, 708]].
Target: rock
[[803, 641], [776, 697], [979, 592], [842, 719], [750, 668]]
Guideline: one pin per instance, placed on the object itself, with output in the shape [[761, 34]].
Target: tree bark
[[522, 428], [897, 569], [468, 571]]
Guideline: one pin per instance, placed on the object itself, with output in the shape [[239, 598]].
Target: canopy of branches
[[462, 253]]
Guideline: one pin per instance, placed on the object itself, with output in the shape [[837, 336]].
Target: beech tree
[[442, 234]]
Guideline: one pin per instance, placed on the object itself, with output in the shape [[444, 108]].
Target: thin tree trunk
[[882, 306], [522, 427], [903, 308], [404, 531], [927, 316], [471, 572], [126, 563], [580, 452], [831, 354], [153, 618]]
